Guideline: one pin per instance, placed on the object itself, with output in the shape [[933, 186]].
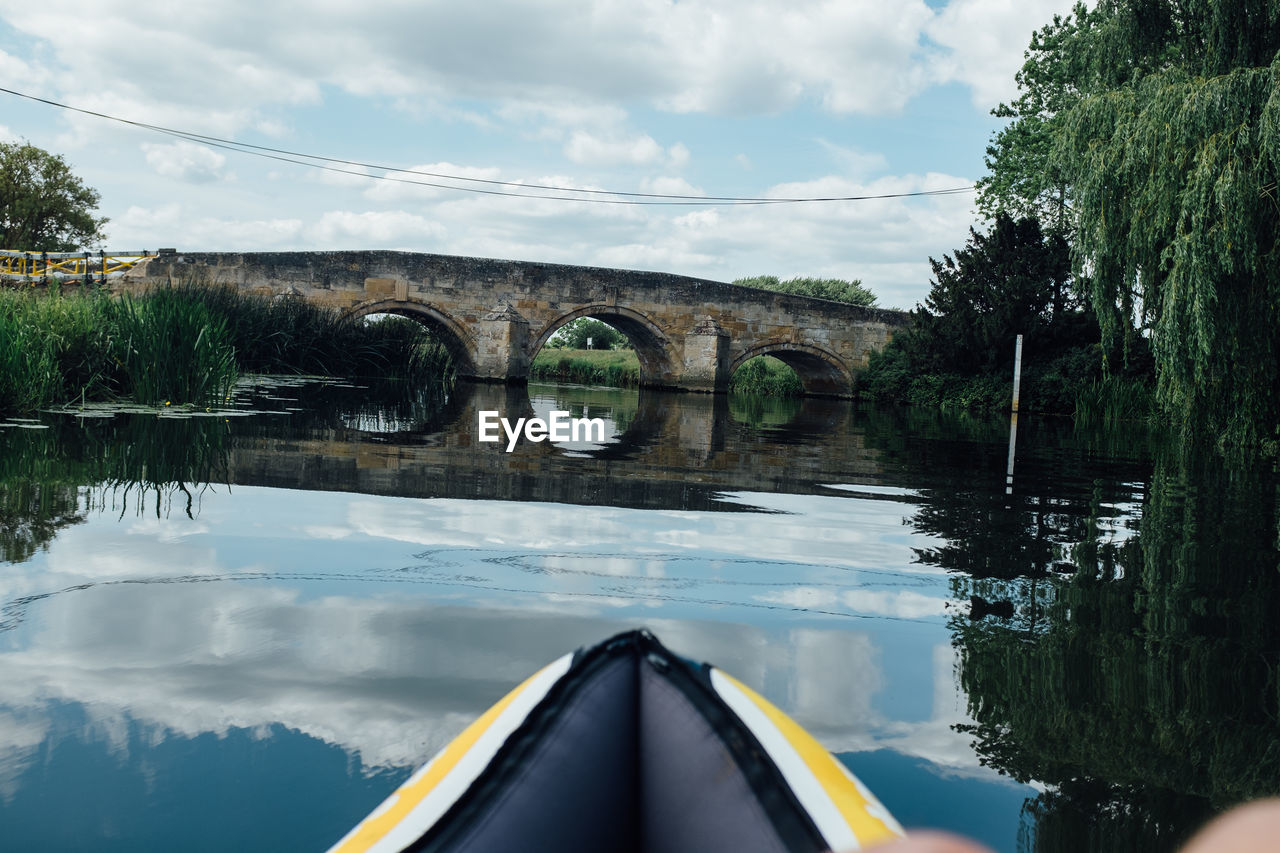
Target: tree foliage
[[1157, 125], [576, 333], [1011, 280], [1003, 283], [834, 289], [44, 207], [1024, 180], [1175, 173]]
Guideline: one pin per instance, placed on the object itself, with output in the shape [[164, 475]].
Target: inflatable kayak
[[627, 747]]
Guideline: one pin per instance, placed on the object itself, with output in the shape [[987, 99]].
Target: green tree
[[959, 349], [576, 333], [1155, 127], [1003, 283], [1173, 158], [834, 289], [1024, 180], [44, 207]]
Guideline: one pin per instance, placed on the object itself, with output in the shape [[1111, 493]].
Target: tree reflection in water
[[1120, 646], [55, 472]]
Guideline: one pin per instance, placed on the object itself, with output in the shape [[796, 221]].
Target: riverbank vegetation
[[587, 351], [588, 333], [620, 368], [188, 344], [959, 349], [1146, 137]]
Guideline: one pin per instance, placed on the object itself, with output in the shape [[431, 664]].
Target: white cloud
[[186, 161], [407, 186], [670, 186], [375, 229], [172, 225], [985, 42], [554, 119], [588, 149], [854, 163], [719, 56]]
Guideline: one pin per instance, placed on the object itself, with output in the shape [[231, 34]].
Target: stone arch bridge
[[494, 315]]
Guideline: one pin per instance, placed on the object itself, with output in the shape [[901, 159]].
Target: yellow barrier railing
[[41, 267]]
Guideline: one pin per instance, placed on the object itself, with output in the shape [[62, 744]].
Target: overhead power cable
[[317, 161]]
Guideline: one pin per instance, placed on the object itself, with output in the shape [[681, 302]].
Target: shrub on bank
[[621, 369], [766, 376], [1068, 383]]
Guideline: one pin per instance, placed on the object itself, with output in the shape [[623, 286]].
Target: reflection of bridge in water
[[677, 451]]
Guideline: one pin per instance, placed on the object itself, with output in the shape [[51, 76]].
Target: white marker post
[[1013, 416], [1017, 371]]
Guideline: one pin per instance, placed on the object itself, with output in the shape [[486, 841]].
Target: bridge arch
[[653, 347], [452, 334], [821, 371]]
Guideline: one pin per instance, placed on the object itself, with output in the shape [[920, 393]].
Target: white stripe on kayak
[[808, 790]]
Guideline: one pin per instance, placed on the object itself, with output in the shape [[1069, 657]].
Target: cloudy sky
[[747, 98]]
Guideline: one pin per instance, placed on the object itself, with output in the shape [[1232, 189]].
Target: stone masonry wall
[[689, 333]]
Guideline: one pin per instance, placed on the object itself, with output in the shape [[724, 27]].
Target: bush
[[768, 376], [620, 368]]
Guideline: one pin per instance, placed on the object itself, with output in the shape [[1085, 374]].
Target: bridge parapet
[[494, 315]]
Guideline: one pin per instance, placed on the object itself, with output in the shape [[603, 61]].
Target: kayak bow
[[626, 747]]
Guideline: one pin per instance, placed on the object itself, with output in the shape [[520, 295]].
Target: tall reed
[[186, 344], [287, 334], [172, 349], [1113, 399], [53, 347]]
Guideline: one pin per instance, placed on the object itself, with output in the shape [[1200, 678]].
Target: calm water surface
[[242, 632]]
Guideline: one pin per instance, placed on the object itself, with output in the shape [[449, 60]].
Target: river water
[[241, 631]]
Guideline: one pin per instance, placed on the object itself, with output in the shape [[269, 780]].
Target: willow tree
[[1172, 152]]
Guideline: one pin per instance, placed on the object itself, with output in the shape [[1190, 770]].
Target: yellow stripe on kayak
[[376, 826], [869, 820]]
